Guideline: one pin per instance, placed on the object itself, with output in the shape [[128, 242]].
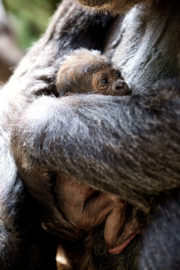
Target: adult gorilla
[[128, 146]]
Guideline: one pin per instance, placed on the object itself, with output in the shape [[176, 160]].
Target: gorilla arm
[[131, 151]]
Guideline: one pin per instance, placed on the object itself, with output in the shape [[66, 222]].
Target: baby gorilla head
[[85, 71]]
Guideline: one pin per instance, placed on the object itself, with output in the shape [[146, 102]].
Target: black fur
[[161, 244], [128, 146], [124, 161]]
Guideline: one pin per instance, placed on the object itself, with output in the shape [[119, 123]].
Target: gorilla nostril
[[119, 86]]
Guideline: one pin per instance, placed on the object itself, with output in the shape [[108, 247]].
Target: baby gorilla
[[85, 71]]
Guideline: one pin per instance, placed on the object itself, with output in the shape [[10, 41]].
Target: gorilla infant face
[[87, 71], [108, 81]]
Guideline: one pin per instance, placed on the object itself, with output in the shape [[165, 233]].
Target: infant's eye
[[104, 81], [117, 74]]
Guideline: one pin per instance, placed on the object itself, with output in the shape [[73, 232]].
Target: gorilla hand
[[86, 208]]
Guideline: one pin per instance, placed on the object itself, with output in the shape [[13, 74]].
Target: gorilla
[[96, 174]]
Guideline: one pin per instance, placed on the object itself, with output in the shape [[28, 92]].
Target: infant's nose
[[119, 84], [120, 87]]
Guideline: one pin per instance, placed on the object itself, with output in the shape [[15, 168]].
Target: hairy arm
[[128, 146]]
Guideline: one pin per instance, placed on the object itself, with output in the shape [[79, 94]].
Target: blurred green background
[[29, 18]]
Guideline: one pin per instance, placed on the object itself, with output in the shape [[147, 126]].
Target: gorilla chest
[[145, 47]]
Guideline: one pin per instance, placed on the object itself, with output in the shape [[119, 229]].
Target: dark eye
[[117, 74], [104, 81]]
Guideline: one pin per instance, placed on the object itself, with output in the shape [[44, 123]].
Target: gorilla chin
[[115, 7], [110, 6]]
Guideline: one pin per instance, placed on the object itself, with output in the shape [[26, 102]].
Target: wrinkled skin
[[86, 208]]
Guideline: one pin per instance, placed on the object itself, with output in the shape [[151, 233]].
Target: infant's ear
[[61, 85], [58, 84]]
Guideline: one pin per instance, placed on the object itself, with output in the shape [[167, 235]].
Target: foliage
[[30, 18]]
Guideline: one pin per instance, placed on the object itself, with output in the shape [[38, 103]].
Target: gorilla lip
[[118, 249]]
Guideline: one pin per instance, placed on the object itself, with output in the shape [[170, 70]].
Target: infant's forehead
[[98, 67], [104, 66]]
